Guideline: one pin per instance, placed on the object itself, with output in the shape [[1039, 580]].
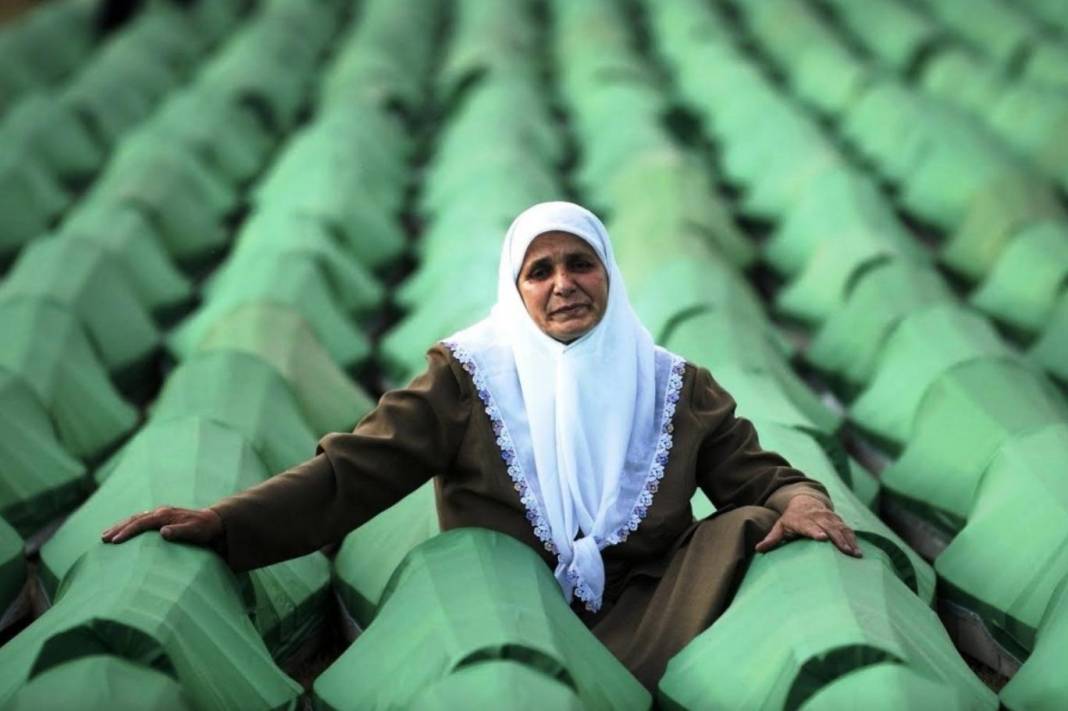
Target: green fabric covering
[[49, 42], [963, 78], [1050, 351], [998, 30], [864, 484], [1046, 61], [368, 556], [761, 654], [664, 289], [384, 58], [279, 234], [294, 280], [1040, 684], [887, 686], [338, 195], [966, 413], [1034, 120], [244, 392], [227, 136], [996, 218], [29, 198], [162, 605], [1009, 569], [86, 280], [492, 683], [194, 462], [1030, 274], [894, 32], [849, 342], [668, 192], [829, 77], [839, 207], [481, 595], [760, 396], [47, 347], [129, 238], [360, 150], [403, 348], [12, 565], [39, 479], [101, 683], [805, 453], [179, 195], [45, 128], [279, 335], [822, 288], [921, 347], [710, 340]]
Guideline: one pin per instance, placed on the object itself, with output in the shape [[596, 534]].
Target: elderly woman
[[555, 420]]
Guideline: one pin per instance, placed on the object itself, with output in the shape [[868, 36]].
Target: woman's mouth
[[570, 310]]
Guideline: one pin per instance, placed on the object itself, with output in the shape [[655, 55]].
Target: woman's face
[[563, 285]]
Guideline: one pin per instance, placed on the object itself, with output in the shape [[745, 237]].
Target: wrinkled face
[[563, 285]]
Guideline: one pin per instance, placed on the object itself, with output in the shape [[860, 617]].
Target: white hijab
[[584, 427]]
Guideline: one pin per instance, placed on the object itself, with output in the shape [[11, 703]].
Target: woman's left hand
[[808, 517]]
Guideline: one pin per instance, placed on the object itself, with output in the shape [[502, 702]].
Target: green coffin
[[294, 280], [849, 342], [921, 347], [805, 617], [805, 453], [480, 595], [1050, 351], [888, 686], [1040, 684], [39, 480], [1028, 278], [130, 240], [88, 281], [30, 198], [222, 132], [1006, 571], [172, 607], [998, 215], [245, 393], [710, 340], [490, 684], [839, 206], [12, 565], [47, 347], [194, 462], [101, 682], [279, 335], [368, 556], [42, 126], [964, 416], [277, 234]]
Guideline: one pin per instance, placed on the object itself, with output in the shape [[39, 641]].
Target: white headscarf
[[584, 427]]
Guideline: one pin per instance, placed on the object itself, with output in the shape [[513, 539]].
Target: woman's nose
[[563, 283]]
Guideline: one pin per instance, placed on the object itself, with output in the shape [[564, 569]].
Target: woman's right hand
[[200, 526]]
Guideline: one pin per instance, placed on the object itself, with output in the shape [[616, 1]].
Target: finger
[[774, 538], [838, 538], [851, 538], [109, 533], [192, 531], [152, 520], [811, 529]]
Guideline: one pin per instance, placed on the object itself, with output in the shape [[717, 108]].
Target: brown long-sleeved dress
[[666, 583]]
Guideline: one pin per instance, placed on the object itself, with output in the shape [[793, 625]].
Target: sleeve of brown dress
[[412, 435], [732, 468]]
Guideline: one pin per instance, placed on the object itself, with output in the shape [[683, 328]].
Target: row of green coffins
[[496, 154], [932, 378], [82, 306], [207, 435], [54, 142]]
